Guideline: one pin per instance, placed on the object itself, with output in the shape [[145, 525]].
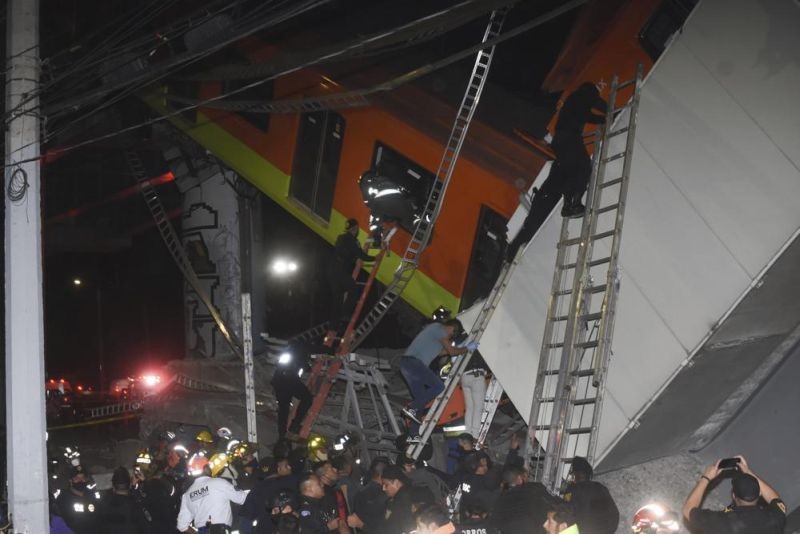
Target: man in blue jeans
[[424, 384]]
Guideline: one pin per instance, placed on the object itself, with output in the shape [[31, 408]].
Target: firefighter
[[207, 502]]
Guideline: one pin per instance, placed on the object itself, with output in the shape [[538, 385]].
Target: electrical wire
[[568, 6]]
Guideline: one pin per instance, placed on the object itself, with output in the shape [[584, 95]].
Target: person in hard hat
[[206, 504], [424, 384], [203, 441], [343, 288], [157, 493], [591, 503], [79, 504]]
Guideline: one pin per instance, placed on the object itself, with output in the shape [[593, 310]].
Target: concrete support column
[[25, 414]]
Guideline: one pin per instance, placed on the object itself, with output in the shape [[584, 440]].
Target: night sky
[[133, 282]]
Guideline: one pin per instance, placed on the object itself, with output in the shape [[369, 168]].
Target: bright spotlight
[[283, 267], [77, 282]]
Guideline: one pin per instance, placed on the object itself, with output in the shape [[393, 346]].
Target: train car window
[[663, 24], [262, 93], [316, 161], [487, 257], [414, 179]]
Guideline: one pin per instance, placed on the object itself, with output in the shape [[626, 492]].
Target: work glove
[[472, 346]]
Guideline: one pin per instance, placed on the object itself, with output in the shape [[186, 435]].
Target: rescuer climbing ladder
[[576, 345], [431, 418], [424, 227]]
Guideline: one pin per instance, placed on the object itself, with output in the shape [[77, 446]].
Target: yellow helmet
[[144, 458], [317, 448], [204, 436], [217, 463]]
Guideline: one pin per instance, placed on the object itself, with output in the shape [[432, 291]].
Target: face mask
[[276, 518], [80, 486]]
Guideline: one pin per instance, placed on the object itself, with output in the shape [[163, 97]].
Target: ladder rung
[[569, 242], [624, 106], [555, 345], [584, 402], [542, 427], [586, 344], [603, 235], [583, 372], [626, 83], [593, 263], [590, 316], [618, 132], [579, 430], [557, 318], [609, 183], [615, 157], [610, 207]]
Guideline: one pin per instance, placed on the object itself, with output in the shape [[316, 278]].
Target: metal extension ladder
[[424, 227], [175, 247], [320, 381], [576, 345], [459, 367]]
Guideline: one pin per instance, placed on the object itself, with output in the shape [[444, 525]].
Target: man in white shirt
[[207, 505]]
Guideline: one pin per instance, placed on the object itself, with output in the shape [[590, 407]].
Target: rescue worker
[[473, 382], [287, 383], [570, 172], [746, 514], [592, 505], [120, 512], [369, 505], [420, 476], [79, 504], [204, 442], [433, 519], [314, 519], [157, 493], [334, 501], [399, 516], [424, 384], [347, 252], [206, 504], [254, 515]]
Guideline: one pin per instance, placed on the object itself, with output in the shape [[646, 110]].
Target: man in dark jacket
[[570, 172], [399, 517], [340, 272], [523, 505], [369, 505], [313, 518], [119, 511], [255, 508], [592, 505]]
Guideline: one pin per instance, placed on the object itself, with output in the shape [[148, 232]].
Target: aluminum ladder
[[431, 418], [424, 227], [175, 247], [576, 345], [321, 381]]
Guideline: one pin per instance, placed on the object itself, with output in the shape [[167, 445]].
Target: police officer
[[79, 504], [369, 505], [592, 505], [207, 503], [747, 514], [399, 514], [284, 516], [254, 516], [119, 511], [314, 519], [521, 503], [158, 493], [474, 512]]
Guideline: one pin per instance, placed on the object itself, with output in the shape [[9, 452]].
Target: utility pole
[[25, 415]]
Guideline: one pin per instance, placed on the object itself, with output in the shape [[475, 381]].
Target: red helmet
[[655, 518]]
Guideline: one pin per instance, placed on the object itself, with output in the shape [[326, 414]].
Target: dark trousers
[[542, 204], [285, 390], [343, 294], [574, 165]]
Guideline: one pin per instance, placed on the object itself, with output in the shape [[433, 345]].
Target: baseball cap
[[745, 487]]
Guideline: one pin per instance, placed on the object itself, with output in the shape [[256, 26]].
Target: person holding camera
[[756, 508]]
